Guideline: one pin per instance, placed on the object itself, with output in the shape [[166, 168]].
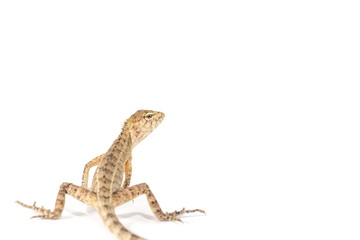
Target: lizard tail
[[107, 214]]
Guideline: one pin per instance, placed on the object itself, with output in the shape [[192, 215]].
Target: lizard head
[[142, 123]]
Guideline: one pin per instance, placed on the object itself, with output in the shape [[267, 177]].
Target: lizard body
[[106, 191]]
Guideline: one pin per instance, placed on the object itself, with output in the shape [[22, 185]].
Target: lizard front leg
[[87, 167], [128, 172], [86, 196], [130, 193]]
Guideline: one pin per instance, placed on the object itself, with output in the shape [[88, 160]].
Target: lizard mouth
[[161, 116]]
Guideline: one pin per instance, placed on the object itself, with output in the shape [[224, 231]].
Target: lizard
[[109, 189]]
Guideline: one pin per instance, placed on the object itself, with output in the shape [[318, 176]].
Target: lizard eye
[[149, 116]]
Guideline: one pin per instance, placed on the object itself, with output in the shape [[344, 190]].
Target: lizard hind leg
[[130, 193], [86, 196]]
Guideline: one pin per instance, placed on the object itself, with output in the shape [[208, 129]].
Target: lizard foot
[[173, 215], [46, 213]]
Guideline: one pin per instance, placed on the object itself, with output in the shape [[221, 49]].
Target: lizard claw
[[47, 215], [201, 211], [178, 220], [38, 216]]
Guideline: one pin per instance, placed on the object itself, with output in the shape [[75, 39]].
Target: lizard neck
[[122, 145]]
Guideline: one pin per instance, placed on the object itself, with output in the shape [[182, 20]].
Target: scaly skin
[[108, 189]]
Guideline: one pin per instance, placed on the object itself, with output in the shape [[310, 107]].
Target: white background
[[262, 114]]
